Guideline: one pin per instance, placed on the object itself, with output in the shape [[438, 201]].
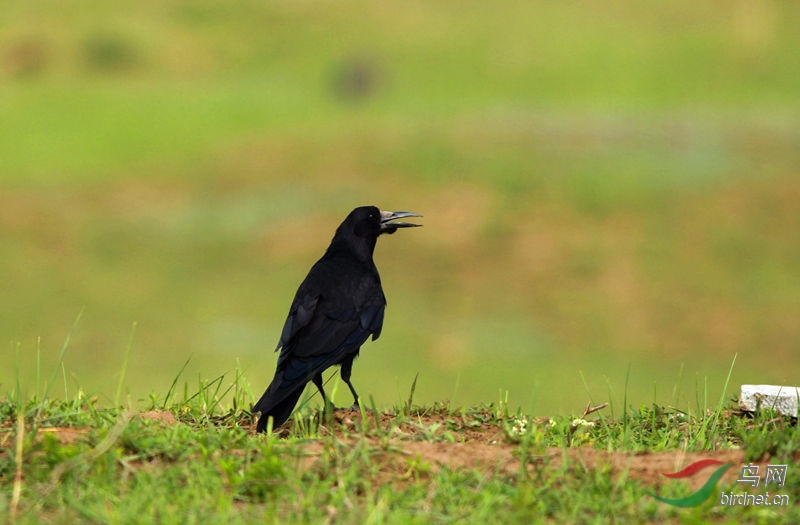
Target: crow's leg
[[326, 403], [347, 368]]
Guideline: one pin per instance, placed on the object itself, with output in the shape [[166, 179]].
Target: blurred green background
[[609, 189]]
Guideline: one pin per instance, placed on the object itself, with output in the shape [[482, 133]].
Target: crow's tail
[[277, 404]]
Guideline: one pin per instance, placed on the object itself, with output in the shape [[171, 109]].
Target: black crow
[[337, 307]]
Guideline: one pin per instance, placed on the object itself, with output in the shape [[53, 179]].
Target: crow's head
[[365, 224], [368, 221]]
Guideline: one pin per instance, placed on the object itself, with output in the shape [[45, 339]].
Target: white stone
[[783, 399]]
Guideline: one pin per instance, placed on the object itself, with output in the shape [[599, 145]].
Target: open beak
[[387, 218]]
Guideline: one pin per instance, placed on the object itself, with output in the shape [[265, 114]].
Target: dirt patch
[[65, 435], [164, 417], [410, 450], [502, 459]]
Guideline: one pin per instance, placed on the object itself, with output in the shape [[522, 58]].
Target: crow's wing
[[300, 315], [328, 338]]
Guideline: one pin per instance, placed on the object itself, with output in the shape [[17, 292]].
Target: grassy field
[[610, 191], [192, 458]]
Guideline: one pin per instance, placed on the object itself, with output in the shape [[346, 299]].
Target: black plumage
[[338, 306]]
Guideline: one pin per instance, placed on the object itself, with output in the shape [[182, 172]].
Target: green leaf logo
[[703, 492]]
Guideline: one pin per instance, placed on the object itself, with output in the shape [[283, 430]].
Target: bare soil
[[486, 449]]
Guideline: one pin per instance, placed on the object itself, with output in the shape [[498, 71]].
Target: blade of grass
[[18, 387], [125, 364], [60, 360], [64, 379], [38, 368], [611, 395], [411, 394], [455, 387], [704, 432], [585, 386], [721, 401], [171, 390], [625, 400], [16, 491], [676, 391]]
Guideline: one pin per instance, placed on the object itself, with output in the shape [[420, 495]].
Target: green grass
[[205, 464], [605, 188], [610, 196]]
